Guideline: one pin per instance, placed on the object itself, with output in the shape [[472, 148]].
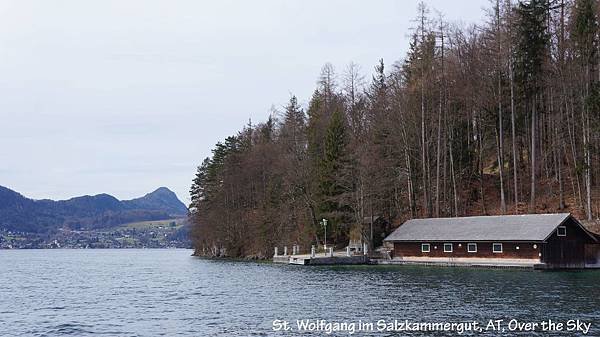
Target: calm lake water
[[170, 293]]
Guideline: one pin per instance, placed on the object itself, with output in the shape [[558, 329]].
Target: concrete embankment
[[341, 258]]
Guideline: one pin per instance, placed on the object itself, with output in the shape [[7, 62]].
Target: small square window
[[425, 248], [561, 231], [497, 248], [447, 248], [472, 248]]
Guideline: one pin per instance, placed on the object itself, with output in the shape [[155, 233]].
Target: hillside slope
[[18, 213]]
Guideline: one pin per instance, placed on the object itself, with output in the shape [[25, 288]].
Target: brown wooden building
[[544, 240]]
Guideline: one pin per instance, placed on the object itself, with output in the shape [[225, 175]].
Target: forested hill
[[18, 213], [503, 117]]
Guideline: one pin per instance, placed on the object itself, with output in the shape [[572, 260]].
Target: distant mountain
[[162, 199], [18, 213]]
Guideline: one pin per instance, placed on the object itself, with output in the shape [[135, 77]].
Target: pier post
[[276, 251], [330, 251], [348, 250], [285, 251], [365, 249], [312, 251]]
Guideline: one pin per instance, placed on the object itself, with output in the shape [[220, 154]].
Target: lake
[[169, 293]]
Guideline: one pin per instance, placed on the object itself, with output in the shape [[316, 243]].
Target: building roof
[[529, 227]]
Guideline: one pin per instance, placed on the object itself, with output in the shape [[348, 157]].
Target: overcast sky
[[125, 96]]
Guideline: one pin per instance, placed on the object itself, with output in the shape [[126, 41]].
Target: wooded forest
[[496, 118]]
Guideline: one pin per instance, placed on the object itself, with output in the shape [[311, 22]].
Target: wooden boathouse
[[544, 241]]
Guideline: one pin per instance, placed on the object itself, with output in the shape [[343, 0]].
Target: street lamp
[[324, 223]]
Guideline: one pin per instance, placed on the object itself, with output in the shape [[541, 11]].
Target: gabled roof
[[529, 227]]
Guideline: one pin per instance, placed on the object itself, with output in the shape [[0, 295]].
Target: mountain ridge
[[19, 213]]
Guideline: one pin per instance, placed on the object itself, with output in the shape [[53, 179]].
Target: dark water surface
[[170, 293]]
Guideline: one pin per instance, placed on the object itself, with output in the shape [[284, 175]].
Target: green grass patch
[[168, 223]]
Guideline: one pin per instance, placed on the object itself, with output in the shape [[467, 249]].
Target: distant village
[[168, 234]]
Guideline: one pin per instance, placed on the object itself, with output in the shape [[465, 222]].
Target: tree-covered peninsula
[[498, 118]]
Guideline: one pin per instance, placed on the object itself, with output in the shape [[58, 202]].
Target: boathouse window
[[447, 248], [425, 248], [561, 231], [497, 248], [472, 247]]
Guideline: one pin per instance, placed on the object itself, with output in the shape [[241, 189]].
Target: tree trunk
[[533, 155], [500, 150], [513, 136], [480, 160], [439, 140], [453, 176], [561, 197], [423, 144], [500, 139]]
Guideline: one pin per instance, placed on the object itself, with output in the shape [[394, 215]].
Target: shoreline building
[[543, 241]]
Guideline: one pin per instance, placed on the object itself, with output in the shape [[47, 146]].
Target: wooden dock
[[322, 259]]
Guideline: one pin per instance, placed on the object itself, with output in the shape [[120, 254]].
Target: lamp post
[[324, 223]]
